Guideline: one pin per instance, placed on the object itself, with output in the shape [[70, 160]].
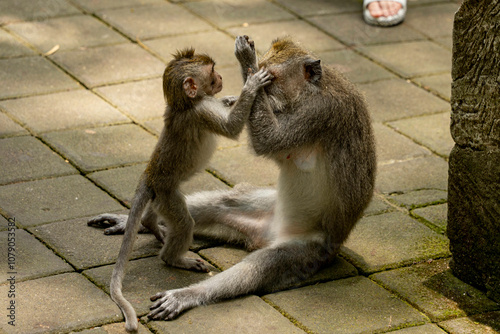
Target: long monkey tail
[[142, 196]]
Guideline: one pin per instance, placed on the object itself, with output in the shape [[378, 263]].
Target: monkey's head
[[296, 71], [188, 77]]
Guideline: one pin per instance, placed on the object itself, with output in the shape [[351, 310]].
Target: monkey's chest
[[303, 186], [206, 148]]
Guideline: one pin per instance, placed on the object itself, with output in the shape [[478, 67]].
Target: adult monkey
[[315, 125]]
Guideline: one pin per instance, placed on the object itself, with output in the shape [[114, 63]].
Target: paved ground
[[80, 111]]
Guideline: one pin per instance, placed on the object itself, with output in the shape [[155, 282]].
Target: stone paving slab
[[224, 257], [445, 42], [433, 21], [411, 59], [439, 84], [237, 165], [9, 128], [154, 125], [78, 108], [109, 64], [426, 173], [144, 278], [306, 34], [433, 289], [377, 205], [243, 315], [351, 305], [156, 20], [139, 99], [27, 10], [99, 148], [320, 7], [12, 47], [392, 146], [32, 258], [36, 202], [352, 30], [71, 239], [202, 42], [26, 158], [395, 99], [430, 131], [116, 328], [30, 76], [392, 240], [425, 329], [234, 12], [93, 6], [58, 304], [419, 198], [4, 224], [355, 67], [436, 215], [80, 31], [122, 182], [488, 323]]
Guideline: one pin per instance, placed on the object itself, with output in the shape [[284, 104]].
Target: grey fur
[[316, 127]]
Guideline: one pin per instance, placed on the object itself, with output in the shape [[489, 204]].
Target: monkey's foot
[[113, 223], [189, 264], [169, 304]]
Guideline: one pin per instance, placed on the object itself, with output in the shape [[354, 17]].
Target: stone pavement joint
[[77, 127]]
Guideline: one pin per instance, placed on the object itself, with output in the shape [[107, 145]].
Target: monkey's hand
[[244, 50], [114, 223], [229, 100], [169, 304], [258, 80]]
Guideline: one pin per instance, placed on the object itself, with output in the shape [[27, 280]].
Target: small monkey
[[315, 125], [192, 118]]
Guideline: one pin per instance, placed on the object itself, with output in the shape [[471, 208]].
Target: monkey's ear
[[190, 87], [313, 71]]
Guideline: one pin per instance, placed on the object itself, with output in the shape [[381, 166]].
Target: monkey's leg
[[241, 215], [265, 270], [150, 221], [179, 236]]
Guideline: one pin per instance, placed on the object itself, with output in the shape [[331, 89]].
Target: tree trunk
[[474, 174]]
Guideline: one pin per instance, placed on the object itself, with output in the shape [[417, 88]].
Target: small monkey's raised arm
[[229, 122]]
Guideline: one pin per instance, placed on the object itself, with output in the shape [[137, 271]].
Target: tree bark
[[474, 173]]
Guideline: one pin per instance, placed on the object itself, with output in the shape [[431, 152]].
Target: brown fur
[[192, 119]]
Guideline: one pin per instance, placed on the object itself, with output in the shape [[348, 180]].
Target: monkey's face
[[213, 80], [288, 81]]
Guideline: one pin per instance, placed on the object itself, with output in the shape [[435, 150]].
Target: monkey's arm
[[273, 131], [244, 50], [229, 122]]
